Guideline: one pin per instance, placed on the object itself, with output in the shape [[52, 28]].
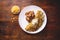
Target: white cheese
[[35, 21]]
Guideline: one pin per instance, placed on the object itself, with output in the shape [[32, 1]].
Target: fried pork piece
[[29, 16], [40, 17], [31, 27]]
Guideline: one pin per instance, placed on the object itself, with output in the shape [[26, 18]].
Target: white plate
[[23, 22]]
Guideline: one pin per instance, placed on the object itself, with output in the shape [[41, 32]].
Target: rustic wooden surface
[[10, 29]]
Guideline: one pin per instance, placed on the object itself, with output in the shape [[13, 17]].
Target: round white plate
[[22, 19]]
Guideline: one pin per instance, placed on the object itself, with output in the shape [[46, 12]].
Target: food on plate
[[29, 16], [40, 17], [36, 22], [32, 26], [15, 9]]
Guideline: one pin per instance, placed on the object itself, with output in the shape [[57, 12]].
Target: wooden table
[[9, 26]]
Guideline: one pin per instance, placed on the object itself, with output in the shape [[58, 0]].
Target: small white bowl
[[23, 22]]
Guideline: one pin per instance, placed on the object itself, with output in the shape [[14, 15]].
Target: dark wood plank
[[10, 29]]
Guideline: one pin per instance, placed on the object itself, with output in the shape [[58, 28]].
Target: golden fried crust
[[29, 16]]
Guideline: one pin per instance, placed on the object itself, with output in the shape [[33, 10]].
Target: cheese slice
[[35, 21]]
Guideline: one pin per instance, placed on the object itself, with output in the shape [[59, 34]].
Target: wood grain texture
[[10, 29]]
